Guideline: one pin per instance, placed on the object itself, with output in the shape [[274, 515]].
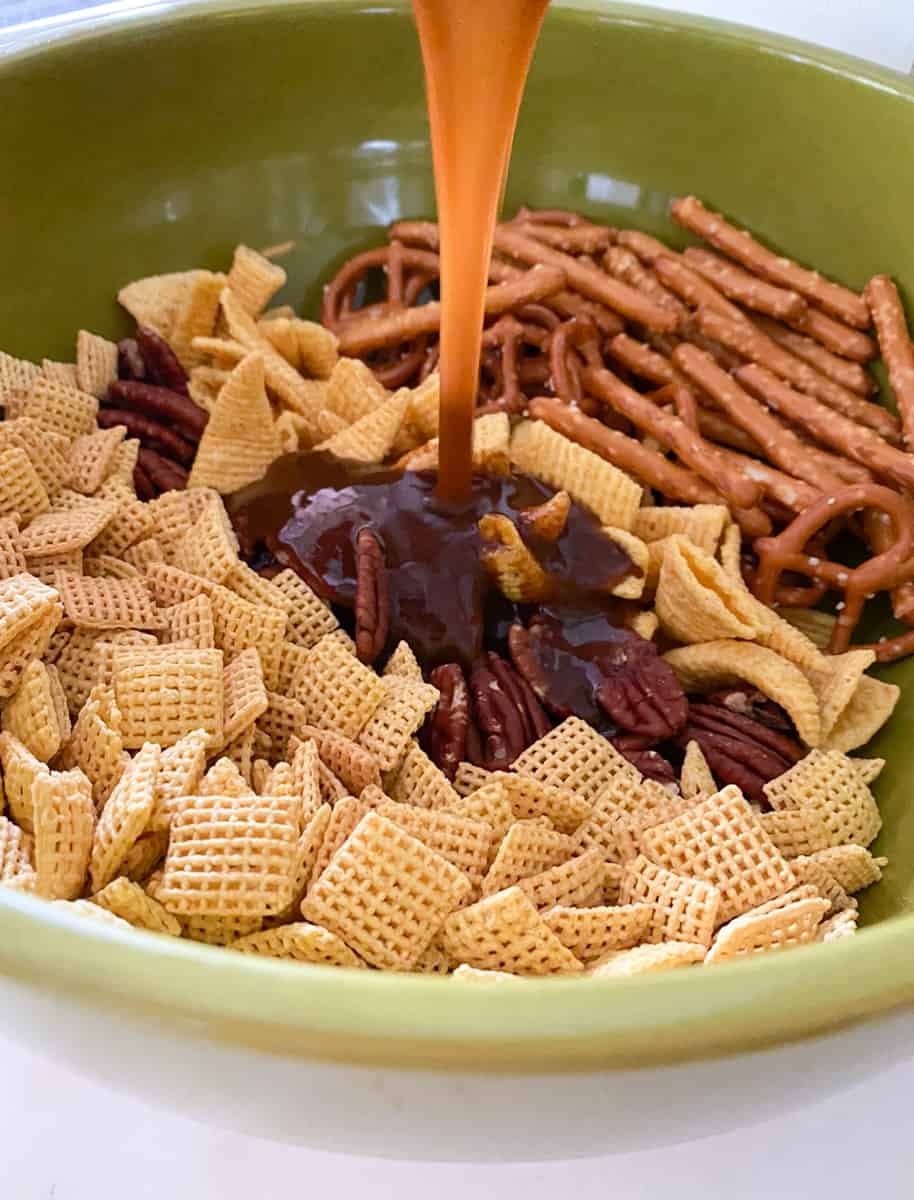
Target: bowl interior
[[158, 145]]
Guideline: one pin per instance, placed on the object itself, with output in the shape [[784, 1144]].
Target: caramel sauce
[[308, 510], [477, 54]]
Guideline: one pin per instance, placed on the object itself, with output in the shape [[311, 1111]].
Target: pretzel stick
[[718, 428], [780, 444], [704, 459], [827, 426], [550, 216], [647, 248], [675, 482], [895, 343], [790, 493], [624, 265], [565, 303], [745, 288], [694, 288], [642, 361], [749, 341], [840, 301], [849, 374], [573, 239], [374, 333], [594, 284], [836, 336], [416, 233]]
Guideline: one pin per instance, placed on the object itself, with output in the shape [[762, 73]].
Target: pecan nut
[[750, 702], [650, 762], [372, 600], [533, 719], [501, 724], [739, 749], [163, 367], [445, 736], [522, 645], [641, 693]]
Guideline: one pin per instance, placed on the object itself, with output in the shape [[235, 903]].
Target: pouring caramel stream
[[476, 55]]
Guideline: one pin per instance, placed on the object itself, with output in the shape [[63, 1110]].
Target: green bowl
[[152, 144]]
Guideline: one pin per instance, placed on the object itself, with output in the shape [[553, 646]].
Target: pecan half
[[130, 361], [650, 763], [448, 725], [641, 693], [151, 434], [163, 366], [162, 473], [160, 404], [533, 718], [522, 647], [739, 749], [750, 702], [372, 602], [501, 724]]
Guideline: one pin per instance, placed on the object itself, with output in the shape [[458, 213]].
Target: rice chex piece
[[797, 831], [125, 816], [385, 894], [92, 458], [292, 659], [827, 782], [60, 408], [219, 931], [531, 798], [282, 720], [15, 852], [96, 363], [62, 531], [300, 942], [722, 841], [836, 928], [467, 974], [190, 623], [129, 902], [170, 585], [403, 707], [309, 617], [230, 856], [107, 603], [239, 625], [29, 645], [209, 548], [695, 778], [16, 375], [304, 866], [93, 912], [504, 932], [590, 933], [645, 960], [24, 602], [461, 840], [489, 803], [97, 749], [355, 767], [20, 770], [469, 778], [223, 779], [851, 866], [573, 756], [165, 692], [403, 663], [21, 491], [810, 873], [64, 818], [594, 483], [344, 817], [527, 849], [12, 559], [756, 933], [434, 959], [682, 909], [143, 857], [244, 694], [31, 715], [337, 691], [420, 782], [577, 882]]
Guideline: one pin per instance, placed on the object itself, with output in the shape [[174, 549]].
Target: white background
[[64, 1139]]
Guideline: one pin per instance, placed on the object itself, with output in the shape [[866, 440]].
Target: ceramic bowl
[[144, 145]]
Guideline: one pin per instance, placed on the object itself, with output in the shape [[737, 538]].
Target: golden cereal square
[[125, 816], [64, 818], [589, 933], [504, 932], [166, 692], [681, 909], [385, 894], [230, 856], [575, 757], [578, 882], [337, 691], [300, 942]]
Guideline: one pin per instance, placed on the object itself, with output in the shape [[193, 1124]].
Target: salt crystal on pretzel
[[385, 894], [693, 288], [64, 819], [726, 662], [749, 341], [624, 265], [838, 300], [697, 601]]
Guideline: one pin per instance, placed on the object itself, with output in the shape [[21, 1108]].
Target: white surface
[[64, 1139]]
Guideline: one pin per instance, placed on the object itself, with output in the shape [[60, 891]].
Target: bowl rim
[[366, 1017]]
